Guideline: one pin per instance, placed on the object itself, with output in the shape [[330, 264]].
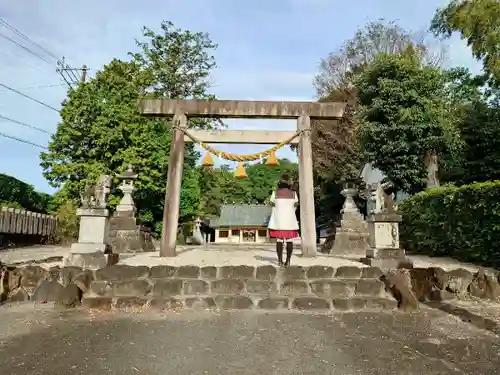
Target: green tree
[[336, 151], [219, 186], [403, 117], [478, 22], [479, 129], [101, 130], [16, 193]]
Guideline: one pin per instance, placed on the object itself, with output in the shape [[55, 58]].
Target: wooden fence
[[18, 226]]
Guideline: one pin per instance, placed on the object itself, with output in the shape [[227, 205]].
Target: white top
[[283, 215]]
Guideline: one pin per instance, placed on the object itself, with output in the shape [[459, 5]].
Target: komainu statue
[[97, 196], [380, 198]]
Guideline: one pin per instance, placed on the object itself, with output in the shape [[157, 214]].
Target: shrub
[[67, 223], [461, 222]]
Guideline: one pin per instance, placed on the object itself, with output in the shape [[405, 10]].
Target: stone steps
[[239, 287], [239, 302]]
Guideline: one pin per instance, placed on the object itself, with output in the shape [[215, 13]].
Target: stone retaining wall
[[316, 288], [239, 287]]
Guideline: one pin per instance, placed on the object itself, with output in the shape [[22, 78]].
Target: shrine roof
[[242, 215]]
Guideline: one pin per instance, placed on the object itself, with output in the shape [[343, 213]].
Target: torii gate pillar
[[306, 189]]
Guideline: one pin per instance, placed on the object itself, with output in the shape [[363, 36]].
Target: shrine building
[[241, 223]]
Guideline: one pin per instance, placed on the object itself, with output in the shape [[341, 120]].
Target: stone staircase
[[266, 287]]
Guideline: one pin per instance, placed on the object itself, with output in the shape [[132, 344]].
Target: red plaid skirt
[[284, 234]]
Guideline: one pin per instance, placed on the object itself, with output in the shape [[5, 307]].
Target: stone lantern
[[351, 235], [127, 187], [349, 191], [127, 235]]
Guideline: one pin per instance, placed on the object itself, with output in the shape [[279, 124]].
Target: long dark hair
[[284, 182]]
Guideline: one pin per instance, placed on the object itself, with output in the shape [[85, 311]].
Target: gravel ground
[[40, 340]]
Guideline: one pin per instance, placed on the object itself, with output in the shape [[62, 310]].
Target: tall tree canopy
[[478, 22], [336, 153], [101, 130], [403, 116], [16, 193]]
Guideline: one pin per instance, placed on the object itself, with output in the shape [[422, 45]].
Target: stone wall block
[[162, 272], [13, 278], [209, 273], [484, 286], [167, 288], [233, 302], [98, 303], [131, 288], [399, 283], [47, 291], [319, 272], [349, 304], [371, 273], [68, 274], [201, 303], [19, 295], [293, 273], [237, 272], [261, 287], [267, 273], [130, 302], [273, 303], [369, 287], [458, 281], [310, 303], [120, 272], [348, 272], [333, 288], [32, 275], [194, 287], [163, 304], [381, 303], [227, 286], [101, 288], [187, 272], [294, 288]]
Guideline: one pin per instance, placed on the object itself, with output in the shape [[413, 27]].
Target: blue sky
[[268, 50]]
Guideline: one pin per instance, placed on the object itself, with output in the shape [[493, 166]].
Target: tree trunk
[[432, 165]]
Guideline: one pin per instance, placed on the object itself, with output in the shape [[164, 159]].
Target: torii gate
[[181, 110]]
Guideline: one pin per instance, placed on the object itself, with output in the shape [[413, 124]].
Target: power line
[[25, 48], [24, 124], [22, 141], [29, 97], [25, 37], [70, 79], [39, 87]]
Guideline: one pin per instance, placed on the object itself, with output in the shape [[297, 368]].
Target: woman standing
[[283, 224]]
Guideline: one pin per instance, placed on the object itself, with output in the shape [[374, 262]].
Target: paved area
[[216, 255], [43, 341], [39, 254], [264, 255], [226, 256]]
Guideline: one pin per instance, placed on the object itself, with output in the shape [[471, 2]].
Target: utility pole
[[68, 73], [84, 73]]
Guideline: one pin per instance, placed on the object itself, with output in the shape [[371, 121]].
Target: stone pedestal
[[92, 249], [197, 237], [351, 233], [126, 235], [384, 250]]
